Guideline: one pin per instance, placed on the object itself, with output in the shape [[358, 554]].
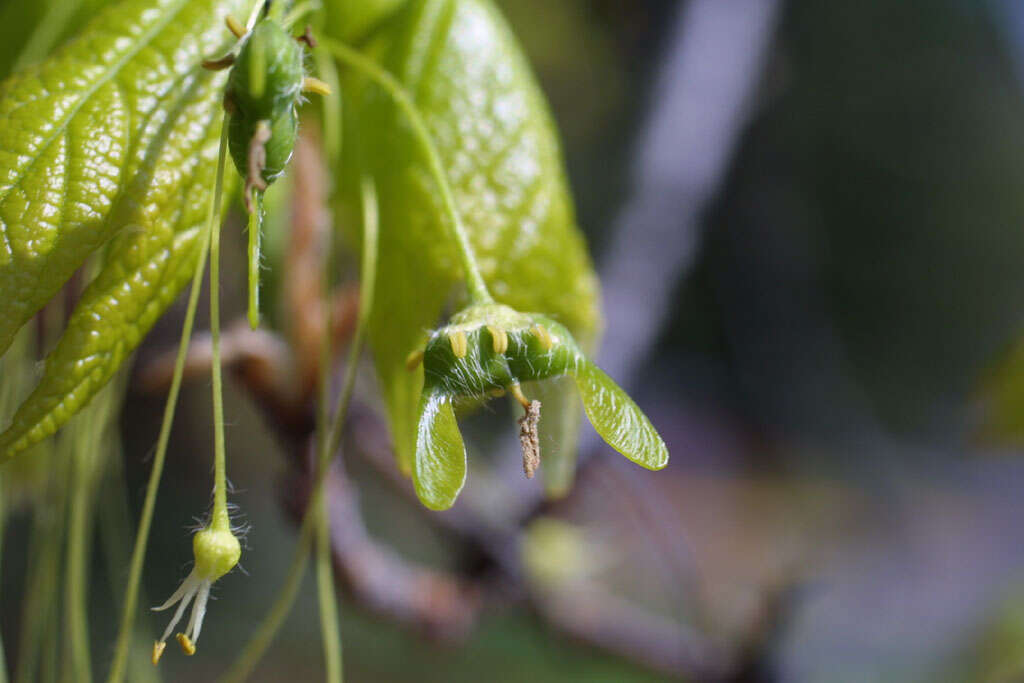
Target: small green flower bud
[[493, 347], [216, 552], [266, 78]]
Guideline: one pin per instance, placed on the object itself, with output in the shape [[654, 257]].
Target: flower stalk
[[216, 547]]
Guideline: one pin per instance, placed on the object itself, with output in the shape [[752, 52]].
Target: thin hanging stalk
[[268, 628], [3, 658], [131, 594], [77, 663], [115, 537], [39, 623], [46, 32], [219, 518], [478, 292], [87, 437]]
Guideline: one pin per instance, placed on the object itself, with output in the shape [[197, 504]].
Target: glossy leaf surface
[[619, 420], [112, 138], [439, 471], [353, 20], [466, 74]]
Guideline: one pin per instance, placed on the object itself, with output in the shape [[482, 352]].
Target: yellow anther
[[413, 360], [158, 651], [315, 85], [499, 338], [517, 391], [186, 644], [544, 336], [460, 345], [235, 26]]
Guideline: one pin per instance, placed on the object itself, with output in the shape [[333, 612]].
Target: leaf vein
[[109, 75]]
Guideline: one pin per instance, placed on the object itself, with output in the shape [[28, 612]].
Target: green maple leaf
[[466, 74], [109, 143]]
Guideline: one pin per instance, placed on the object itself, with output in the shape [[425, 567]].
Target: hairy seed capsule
[[494, 348]]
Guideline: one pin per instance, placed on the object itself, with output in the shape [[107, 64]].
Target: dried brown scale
[[529, 438], [307, 37], [257, 163], [218, 64]]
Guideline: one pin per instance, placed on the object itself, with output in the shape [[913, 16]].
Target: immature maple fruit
[[262, 94], [489, 349]]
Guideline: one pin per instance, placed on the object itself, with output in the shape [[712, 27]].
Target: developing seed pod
[[474, 358], [489, 349], [273, 154], [263, 91], [264, 86]]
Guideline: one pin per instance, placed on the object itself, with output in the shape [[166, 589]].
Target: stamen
[[413, 360], [499, 339], [183, 596], [544, 336], [187, 586], [460, 345], [235, 26], [186, 645], [195, 624], [177, 615], [158, 651], [315, 85], [517, 391]]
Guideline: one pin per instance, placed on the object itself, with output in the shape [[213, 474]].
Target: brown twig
[[599, 619], [381, 581]]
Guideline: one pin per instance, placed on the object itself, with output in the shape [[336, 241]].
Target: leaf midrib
[[103, 354], [110, 74]]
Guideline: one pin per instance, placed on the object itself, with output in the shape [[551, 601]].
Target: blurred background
[[809, 222]]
